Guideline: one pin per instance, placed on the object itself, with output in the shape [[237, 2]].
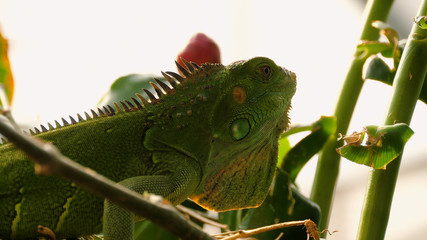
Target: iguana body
[[212, 137]]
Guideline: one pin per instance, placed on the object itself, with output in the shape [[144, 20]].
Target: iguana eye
[[265, 72], [240, 129]]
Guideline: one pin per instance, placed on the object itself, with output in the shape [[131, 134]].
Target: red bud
[[200, 49]]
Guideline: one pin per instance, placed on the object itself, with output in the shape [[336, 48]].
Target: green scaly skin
[[212, 137]]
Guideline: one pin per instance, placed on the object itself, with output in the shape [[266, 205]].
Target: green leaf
[[390, 49], [387, 31], [376, 69], [284, 147], [298, 156], [368, 48], [126, 87], [383, 144], [421, 21]]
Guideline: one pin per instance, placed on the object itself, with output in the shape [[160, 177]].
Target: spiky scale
[[182, 69], [125, 107], [150, 95], [65, 123], [50, 126], [111, 113], [188, 65], [37, 130], [72, 120], [195, 65], [170, 80], [107, 112], [143, 100], [131, 106], [87, 116], [176, 76], [138, 104], [157, 89], [118, 108], [163, 85], [31, 132], [101, 113], [79, 117], [44, 129], [94, 115]]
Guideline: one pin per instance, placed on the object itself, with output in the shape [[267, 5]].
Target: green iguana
[[211, 136]]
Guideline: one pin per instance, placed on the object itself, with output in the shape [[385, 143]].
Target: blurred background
[[65, 54]]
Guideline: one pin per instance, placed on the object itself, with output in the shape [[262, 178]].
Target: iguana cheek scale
[[210, 135]]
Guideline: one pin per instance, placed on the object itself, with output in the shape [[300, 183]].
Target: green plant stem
[[329, 160], [407, 86]]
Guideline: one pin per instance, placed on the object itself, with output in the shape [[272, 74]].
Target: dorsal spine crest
[[189, 71]]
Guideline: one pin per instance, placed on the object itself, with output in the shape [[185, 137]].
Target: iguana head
[[250, 114]]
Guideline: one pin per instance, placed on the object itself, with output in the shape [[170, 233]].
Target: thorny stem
[[407, 86], [329, 160]]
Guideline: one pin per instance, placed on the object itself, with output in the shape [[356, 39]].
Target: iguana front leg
[[175, 184]]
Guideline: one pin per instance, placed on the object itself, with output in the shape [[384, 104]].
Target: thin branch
[[202, 218], [310, 226], [50, 161]]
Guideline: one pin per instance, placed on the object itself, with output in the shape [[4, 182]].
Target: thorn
[[94, 115], [182, 69], [44, 129], [31, 132], [157, 89], [50, 126], [188, 65], [163, 85], [125, 107], [65, 123], [132, 107], [150, 95], [37, 130], [178, 77], [143, 100], [138, 104]]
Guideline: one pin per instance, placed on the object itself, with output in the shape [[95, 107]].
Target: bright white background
[[65, 54]]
